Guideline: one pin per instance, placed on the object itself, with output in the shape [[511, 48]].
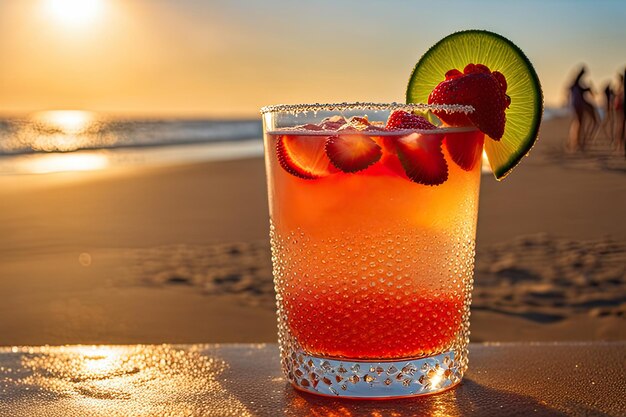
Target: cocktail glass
[[373, 271]]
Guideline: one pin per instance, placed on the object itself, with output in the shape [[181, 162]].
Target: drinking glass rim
[[317, 107]]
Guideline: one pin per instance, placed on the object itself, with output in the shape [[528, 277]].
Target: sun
[[74, 12]]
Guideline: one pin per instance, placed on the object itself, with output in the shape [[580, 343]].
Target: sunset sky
[[228, 58]]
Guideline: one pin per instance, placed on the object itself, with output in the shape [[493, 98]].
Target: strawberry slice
[[480, 88], [401, 120], [352, 152], [422, 158], [465, 148], [303, 156]]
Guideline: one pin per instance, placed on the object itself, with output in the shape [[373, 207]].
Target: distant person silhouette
[[585, 122], [620, 113], [608, 122]]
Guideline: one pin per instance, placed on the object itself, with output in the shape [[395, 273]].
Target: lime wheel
[[523, 116]]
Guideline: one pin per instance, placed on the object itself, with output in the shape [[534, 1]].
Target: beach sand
[[180, 253]]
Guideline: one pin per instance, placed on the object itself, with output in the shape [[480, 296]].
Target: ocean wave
[[67, 131]]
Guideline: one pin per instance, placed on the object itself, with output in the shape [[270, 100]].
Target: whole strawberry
[[482, 89]]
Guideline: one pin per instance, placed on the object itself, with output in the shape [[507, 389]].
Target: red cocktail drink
[[372, 230]]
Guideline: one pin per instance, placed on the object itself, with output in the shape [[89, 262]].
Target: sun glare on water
[[63, 130], [67, 121], [56, 134], [74, 12]]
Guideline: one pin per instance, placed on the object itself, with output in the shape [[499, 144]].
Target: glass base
[[374, 379]]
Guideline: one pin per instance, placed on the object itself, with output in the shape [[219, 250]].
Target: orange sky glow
[[228, 58]]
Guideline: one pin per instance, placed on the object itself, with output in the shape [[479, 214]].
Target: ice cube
[[332, 123], [361, 124]]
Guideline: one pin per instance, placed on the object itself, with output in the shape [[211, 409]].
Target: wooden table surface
[[513, 379]]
